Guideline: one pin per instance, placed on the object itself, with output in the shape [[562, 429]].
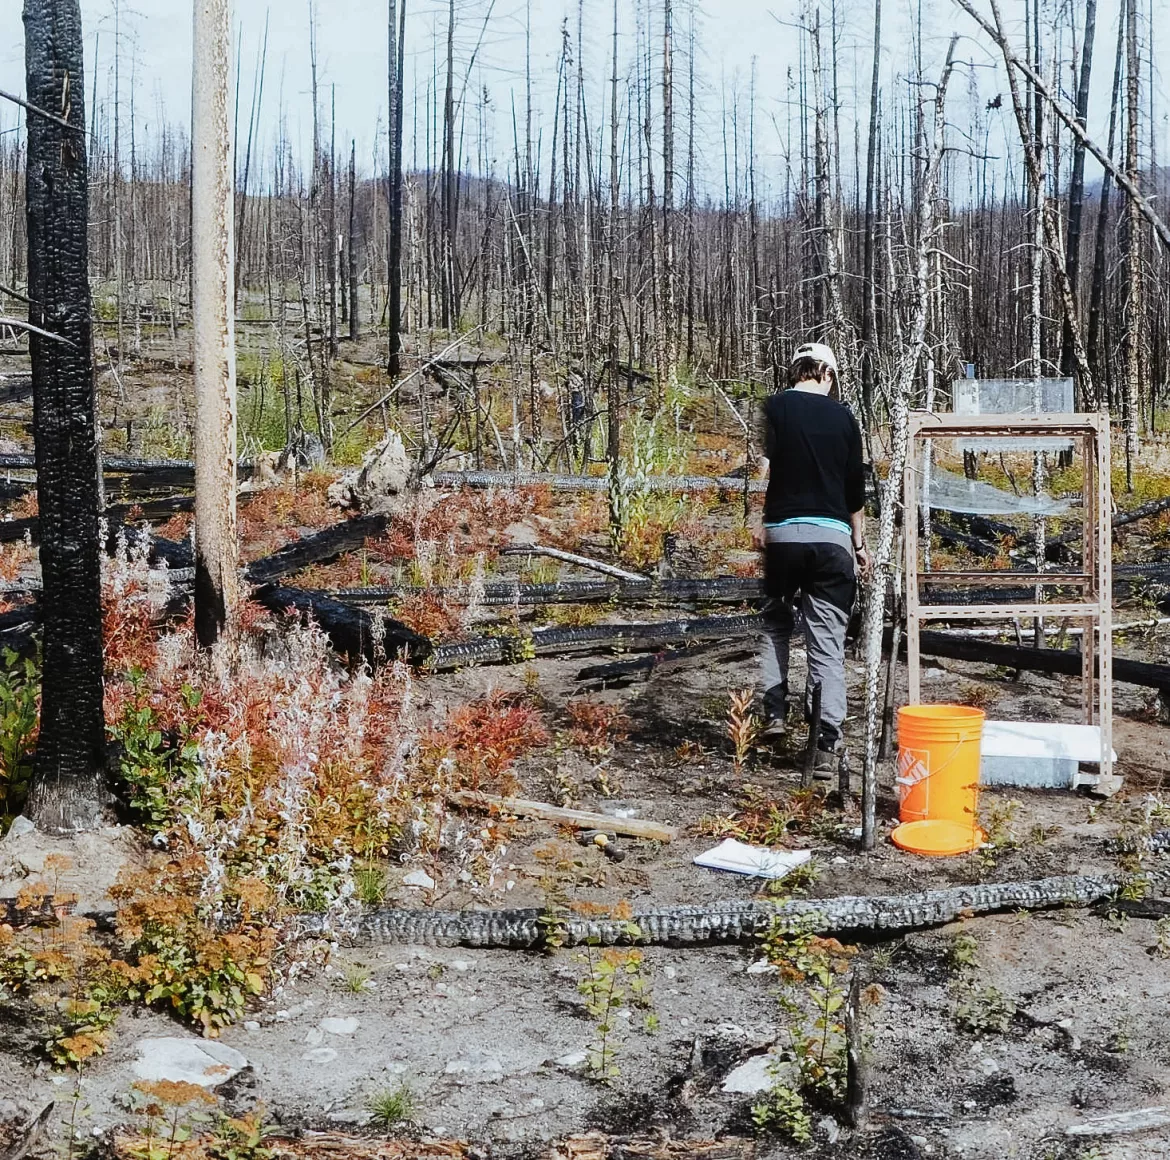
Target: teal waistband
[[817, 522]]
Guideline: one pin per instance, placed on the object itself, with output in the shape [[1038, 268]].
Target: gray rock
[[419, 878], [351, 1116], [198, 1061], [478, 1067], [320, 1055], [829, 1129], [573, 1060], [20, 826], [315, 1036], [758, 1074], [339, 1025]]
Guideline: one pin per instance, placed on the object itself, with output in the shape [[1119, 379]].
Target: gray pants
[[813, 569]]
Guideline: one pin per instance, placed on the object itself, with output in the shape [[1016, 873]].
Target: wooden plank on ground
[[581, 819]]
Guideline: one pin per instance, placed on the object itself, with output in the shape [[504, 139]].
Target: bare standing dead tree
[[1132, 245], [901, 390], [395, 57], [70, 755], [213, 316]]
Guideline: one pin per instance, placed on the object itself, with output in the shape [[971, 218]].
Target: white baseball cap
[[818, 351]]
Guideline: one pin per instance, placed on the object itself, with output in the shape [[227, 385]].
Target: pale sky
[[731, 34]]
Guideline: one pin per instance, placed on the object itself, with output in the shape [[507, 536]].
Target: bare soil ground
[[491, 1042]]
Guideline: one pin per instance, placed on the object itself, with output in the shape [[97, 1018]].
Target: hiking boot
[[775, 713], [828, 757]]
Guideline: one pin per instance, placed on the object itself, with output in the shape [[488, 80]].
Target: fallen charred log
[[719, 590], [353, 632], [319, 548], [509, 479], [619, 672], [1065, 662], [516, 648], [721, 922]]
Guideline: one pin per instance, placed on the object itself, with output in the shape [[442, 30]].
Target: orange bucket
[[938, 778]]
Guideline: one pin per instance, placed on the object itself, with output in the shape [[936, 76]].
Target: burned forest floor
[[153, 988]]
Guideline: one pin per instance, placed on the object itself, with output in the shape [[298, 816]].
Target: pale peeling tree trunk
[[1132, 243], [70, 757], [213, 317], [901, 389], [828, 232], [1047, 233], [669, 335]]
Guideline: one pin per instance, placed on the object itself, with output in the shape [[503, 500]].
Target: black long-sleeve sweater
[[813, 445]]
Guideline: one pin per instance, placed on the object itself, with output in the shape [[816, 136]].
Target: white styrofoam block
[[1050, 740], [1028, 773]]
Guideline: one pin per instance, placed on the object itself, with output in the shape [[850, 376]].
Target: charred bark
[[70, 757]]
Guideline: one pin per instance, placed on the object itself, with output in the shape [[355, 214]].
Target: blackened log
[[1121, 519], [352, 631], [18, 628], [1039, 660], [13, 530], [320, 548], [161, 508], [620, 672], [716, 590], [15, 388], [70, 756]]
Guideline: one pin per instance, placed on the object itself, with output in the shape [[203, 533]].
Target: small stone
[[476, 1068], [204, 1062], [314, 1037], [343, 1025], [351, 1116], [420, 879], [921, 1141], [320, 1055], [988, 1065], [251, 1025], [282, 1016], [755, 1075], [20, 826], [839, 861], [462, 965], [731, 1031], [573, 1060], [761, 967], [829, 1128], [669, 972]]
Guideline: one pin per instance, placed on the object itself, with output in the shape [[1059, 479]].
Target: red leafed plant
[[478, 743], [596, 726]]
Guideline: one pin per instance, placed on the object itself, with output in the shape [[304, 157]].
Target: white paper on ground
[[758, 861]]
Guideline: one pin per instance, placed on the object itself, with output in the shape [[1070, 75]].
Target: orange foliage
[[596, 725], [429, 615], [479, 742]]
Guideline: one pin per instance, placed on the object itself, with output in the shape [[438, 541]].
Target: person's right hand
[[864, 561]]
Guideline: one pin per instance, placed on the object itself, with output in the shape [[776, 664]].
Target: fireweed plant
[[268, 781]]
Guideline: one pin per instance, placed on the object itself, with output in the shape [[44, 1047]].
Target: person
[[813, 541]]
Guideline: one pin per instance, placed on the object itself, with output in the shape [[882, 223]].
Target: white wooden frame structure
[[1095, 580]]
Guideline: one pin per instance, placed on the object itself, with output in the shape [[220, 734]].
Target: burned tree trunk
[[70, 757], [1076, 189], [351, 247], [1131, 240], [213, 318], [396, 33]]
